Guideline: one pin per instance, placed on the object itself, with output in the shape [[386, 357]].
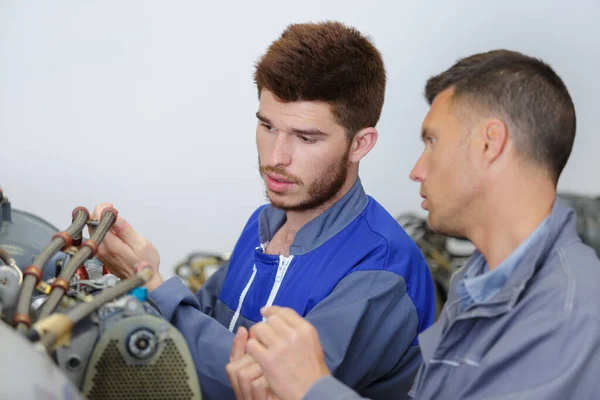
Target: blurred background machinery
[[198, 266]]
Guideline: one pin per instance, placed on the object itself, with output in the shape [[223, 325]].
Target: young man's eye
[[306, 139]]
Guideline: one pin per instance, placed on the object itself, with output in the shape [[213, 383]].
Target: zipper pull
[[281, 269]]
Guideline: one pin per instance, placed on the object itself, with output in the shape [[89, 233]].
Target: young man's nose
[[281, 153]]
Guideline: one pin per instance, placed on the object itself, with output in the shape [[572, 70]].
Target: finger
[[260, 389], [232, 369], [125, 232], [288, 315], [246, 376], [239, 344], [97, 213], [265, 334], [258, 352], [280, 326], [116, 256]]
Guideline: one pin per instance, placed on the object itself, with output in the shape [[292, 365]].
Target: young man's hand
[[244, 373], [288, 351], [122, 248]]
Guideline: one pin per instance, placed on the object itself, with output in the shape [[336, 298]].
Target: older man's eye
[[267, 127]]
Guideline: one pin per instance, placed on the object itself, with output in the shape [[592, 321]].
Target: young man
[[522, 320], [322, 246]]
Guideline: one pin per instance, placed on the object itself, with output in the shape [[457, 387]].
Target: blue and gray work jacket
[[352, 272]]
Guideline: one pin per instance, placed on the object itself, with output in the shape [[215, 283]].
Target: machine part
[[166, 373], [23, 235], [7, 260], [56, 329], [29, 374], [83, 339], [142, 344], [9, 291], [193, 270], [104, 282], [74, 363], [94, 268], [33, 273], [97, 310], [88, 249], [85, 334]]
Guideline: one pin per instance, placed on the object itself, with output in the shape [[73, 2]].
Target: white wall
[[150, 104]]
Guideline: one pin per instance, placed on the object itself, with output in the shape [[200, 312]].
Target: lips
[[278, 178], [277, 183]]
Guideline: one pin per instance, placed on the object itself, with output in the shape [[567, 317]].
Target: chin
[[279, 201], [434, 224]]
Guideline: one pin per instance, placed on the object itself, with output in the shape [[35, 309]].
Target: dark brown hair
[[327, 62], [523, 91]]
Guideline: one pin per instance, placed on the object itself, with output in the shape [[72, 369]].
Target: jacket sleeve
[[329, 388], [209, 341], [367, 326]]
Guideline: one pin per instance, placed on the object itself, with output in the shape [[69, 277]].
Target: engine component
[[29, 374], [56, 328], [10, 279], [87, 250], [98, 336], [147, 350], [33, 273], [24, 235]]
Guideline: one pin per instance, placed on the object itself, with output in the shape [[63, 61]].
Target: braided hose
[[88, 249], [33, 273]]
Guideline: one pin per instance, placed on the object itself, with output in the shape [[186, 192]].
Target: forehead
[[446, 115], [297, 114], [441, 108]]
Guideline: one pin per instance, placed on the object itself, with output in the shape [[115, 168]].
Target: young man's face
[[446, 171], [303, 152]]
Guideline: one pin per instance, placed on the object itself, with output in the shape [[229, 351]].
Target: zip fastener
[[236, 315], [284, 263]]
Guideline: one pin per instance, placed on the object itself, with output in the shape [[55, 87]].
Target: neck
[[297, 219], [509, 217]]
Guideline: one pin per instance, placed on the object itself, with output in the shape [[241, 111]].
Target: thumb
[[239, 344]]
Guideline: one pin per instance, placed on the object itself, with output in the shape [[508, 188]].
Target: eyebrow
[[308, 132]]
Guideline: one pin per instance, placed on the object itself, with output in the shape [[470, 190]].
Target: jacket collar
[[322, 228], [561, 223]]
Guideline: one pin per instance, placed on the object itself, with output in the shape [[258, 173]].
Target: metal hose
[[33, 273], [88, 249]]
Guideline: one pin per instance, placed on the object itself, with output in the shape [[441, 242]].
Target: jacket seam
[[564, 262], [387, 243]]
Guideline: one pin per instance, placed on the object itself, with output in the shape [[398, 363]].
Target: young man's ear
[[362, 143]]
